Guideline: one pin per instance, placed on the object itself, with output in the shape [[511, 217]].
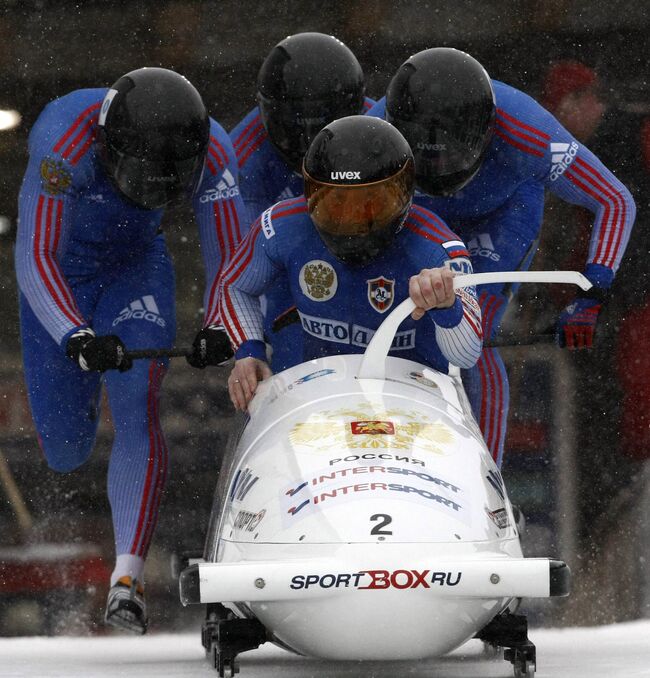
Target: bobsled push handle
[[147, 353], [373, 365]]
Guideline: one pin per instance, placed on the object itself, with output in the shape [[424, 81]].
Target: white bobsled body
[[365, 518]]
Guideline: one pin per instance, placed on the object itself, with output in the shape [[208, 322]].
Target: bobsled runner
[[360, 516]]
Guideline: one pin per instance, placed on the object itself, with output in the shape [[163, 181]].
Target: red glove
[[577, 324]]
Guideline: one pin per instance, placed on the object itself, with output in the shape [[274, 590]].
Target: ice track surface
[[608, 651]]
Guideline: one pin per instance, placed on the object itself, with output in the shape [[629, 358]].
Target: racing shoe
[[125, 607]]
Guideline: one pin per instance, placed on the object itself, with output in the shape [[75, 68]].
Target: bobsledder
[[360, 516]]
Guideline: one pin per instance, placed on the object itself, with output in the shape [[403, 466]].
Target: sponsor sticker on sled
[[310, 377], [329, 477], [372, 428], [331, 431], [248, 520], [332, 488], [421, 379], [499, 517], [242, 484], [373, 456], [377, 579]]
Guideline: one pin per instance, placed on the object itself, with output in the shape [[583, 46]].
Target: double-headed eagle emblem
[[319, 278], [56, 178], [352, 429]]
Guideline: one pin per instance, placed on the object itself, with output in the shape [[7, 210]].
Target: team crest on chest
[[318, 280], [381, 293]]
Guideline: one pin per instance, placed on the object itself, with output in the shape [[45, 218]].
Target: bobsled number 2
[[377, 579]]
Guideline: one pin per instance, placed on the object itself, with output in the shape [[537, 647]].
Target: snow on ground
[[621, 650]]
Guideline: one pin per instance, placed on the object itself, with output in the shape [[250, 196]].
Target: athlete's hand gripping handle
[[373, 365], [211, 346], [431, 288], [98, 354]]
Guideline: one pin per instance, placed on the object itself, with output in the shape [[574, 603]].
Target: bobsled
[[360, 516]]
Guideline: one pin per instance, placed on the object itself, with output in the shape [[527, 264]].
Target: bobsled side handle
[[373, 365], [566, 277]]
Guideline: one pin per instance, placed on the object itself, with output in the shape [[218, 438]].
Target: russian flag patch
[[455, 248]]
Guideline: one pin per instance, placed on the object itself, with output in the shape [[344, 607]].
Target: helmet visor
[[361, 209], [155, 184], [446, 156]]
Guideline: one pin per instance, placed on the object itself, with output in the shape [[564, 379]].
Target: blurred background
[[577, 456]]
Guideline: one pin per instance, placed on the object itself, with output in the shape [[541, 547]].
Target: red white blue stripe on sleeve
[[222, 244], [41, 237], [78, 138], [243, 281], [44, 227], [219, 221], [522, 136], [461, 345], [615, 210], [578, 176], [250, 139], [573, 173]]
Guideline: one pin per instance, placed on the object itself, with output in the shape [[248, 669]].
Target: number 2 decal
[[385, 520]]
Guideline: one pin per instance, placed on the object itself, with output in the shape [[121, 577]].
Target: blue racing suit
[[499, 215], [86, 257], [264, 179], [340, 307]]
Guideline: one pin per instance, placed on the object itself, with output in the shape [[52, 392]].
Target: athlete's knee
[[65, 454]]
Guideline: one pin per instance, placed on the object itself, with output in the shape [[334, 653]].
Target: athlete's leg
[[138, 306], [504, 241], [487, 383], [63, 399]]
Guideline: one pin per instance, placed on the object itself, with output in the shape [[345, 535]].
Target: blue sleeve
[[248, 138], [456, 332], [572, 172], [219, 213], [249, 275], [61, 157], [579, 177]]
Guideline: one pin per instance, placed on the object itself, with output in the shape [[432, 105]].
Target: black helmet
[[359, 183], [442, 101], [153, 134], [307, 81]]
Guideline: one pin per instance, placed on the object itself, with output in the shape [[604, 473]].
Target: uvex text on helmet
[[153, 133], [442, 101], [359, 183], [307, 81]]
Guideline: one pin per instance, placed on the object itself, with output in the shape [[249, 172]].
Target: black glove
[[97, 354], [211, 346]]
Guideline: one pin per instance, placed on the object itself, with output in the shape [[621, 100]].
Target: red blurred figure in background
[[633, 361], [571, 91]]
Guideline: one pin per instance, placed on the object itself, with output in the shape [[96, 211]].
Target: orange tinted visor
[[359, 209]]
